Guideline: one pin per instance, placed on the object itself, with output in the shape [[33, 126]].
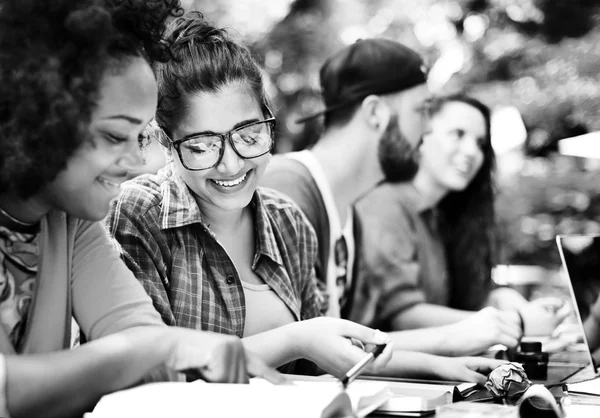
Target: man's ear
[[375, 112]]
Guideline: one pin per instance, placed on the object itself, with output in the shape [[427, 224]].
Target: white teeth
[[465, 169], [232, 182], [110, 183]]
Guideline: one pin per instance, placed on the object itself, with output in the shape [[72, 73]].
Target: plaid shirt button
[[230, 279]]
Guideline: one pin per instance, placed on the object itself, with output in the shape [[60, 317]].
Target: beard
[[397, 157]]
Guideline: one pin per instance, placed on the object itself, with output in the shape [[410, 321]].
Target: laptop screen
[[580, 255]]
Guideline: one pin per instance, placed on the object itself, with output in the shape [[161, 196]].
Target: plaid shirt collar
[[179, 208]]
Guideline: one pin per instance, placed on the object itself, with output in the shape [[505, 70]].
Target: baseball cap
[[369, 66]]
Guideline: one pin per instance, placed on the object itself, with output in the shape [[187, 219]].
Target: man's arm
[[473, 334]]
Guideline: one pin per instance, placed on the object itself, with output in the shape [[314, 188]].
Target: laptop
[[580, 256]]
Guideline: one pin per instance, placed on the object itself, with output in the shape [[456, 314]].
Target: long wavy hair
[[467, 221], [53, 57]]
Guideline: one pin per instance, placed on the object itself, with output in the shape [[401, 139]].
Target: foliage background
[[538, 56]]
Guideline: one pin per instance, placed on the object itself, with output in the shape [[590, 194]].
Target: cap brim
[[310, 117]]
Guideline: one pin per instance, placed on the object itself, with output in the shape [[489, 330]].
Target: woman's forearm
[[426, 315], [506, 298], [70, 382], [409, 364], [276, 347], [425, 340]]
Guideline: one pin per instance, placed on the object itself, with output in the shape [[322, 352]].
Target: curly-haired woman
[[435, 236], [76, 91]]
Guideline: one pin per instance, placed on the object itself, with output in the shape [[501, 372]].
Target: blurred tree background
[[539, 57]]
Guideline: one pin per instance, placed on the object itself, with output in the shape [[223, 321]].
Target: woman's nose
[[132, 159], [470, 145], [231, 162]]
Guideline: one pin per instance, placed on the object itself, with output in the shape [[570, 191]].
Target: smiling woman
[[215, 251], [93, 175], [437, 238], [76, 91]]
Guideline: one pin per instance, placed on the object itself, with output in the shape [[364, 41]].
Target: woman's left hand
[[466, 369]]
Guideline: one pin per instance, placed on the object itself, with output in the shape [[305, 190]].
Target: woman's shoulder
[[276, 200], [388, 191], [387, 195], [280, 208], [141, 193], [59, 225]]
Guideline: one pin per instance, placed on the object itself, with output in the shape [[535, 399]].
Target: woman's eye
[[201, 148], [250, 138], [115, 139], [457, 134]]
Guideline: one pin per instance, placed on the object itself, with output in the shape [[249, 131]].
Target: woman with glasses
[[212, 249], [77, 91]]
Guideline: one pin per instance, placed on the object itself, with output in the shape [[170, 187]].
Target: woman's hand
[[327, 342], [215, 357], [542, 316], [465, 369], [482, 330]]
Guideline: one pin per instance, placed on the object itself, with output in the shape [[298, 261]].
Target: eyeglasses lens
[[250, 141]]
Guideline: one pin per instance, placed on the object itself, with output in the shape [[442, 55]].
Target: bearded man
[[373, 91]]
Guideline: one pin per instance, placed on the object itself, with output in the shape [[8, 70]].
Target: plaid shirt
[[189, 276]]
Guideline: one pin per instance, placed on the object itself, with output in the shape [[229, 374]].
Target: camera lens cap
[[531, 346]]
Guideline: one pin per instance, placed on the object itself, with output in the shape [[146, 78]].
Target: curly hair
[[53, 56], [205, 59], [467, 221]]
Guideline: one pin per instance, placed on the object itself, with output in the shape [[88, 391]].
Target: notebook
[[312, 397], [580, 257], [257, 399], [405, 397]]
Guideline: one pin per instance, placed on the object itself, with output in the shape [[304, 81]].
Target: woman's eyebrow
[[245, 122], [130, 119], [237, 125]]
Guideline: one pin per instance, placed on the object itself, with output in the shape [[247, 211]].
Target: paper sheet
[[258, 399], [590, 387]]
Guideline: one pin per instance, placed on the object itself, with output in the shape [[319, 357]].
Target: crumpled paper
[[508, 382]]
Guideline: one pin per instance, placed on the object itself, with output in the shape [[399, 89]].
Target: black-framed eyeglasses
[[205, 151]]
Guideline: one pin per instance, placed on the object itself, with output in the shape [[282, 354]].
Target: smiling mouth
[[109, 183], [231, 183], [464, 169]]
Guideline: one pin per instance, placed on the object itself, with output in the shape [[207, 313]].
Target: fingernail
[[381, 337]]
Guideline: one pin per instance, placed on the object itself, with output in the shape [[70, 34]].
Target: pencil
[[357, 369]]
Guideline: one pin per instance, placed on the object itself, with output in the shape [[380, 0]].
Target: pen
[[355, 371]]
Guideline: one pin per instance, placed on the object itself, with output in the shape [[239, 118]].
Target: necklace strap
[[13, 219]]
